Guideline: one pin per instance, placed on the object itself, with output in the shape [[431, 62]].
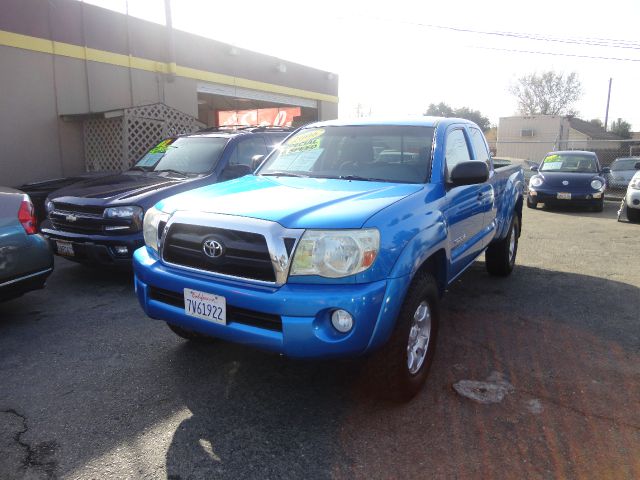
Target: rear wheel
[[500, 257], [633, 214], [188, 334], [400, 368]]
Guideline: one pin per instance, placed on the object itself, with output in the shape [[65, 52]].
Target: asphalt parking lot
[[91, 388]]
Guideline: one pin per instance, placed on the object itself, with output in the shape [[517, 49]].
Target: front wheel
[[400, 368], [500, 257], [531, 203], [633, 214], [599, 207]]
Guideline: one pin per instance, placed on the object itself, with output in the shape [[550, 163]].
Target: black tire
[[633, 214], [599, 207], [499, 259], [188, 334], [388, 369], [531, 203]]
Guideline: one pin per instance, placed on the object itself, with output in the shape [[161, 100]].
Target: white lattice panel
[[117, 143], [103, 144]]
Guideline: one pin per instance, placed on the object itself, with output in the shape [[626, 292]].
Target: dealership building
[[88, 89]]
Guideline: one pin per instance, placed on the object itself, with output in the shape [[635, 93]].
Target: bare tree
[[549, 93]]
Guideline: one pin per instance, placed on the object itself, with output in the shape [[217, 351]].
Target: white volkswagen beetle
[[631, 201]]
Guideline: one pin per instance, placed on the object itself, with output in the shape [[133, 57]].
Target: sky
[[395, 58]]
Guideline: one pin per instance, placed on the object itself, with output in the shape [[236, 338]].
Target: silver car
[[25, 257], [622, 171]]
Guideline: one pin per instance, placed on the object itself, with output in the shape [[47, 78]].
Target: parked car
[[99, 221], [25, 257], [622, 171], [39, 191], [340, 245], [631, 201], [568, 178]]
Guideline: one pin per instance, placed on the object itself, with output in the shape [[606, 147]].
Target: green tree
[[597, 122], [549, 93], [621, 128], [443, 110]]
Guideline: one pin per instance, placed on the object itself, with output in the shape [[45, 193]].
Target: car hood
[[555, 179], [294, 202], [126, 187]]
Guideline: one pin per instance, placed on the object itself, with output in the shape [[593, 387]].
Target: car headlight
[[596, 184], [48, 206], [635, 183], [152, 219], [335, 253], [123, 212], [535, 182]]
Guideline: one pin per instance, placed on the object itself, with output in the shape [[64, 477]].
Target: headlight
[[152, 219], [48, 206], [335, 253], [123, 212], [635, 183], [596, 184], [535, 182]]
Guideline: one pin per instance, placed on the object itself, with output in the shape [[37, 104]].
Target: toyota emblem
[[212, 248], [565, 183], [71, 218]]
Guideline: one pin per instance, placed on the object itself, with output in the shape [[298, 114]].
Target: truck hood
[[113, 188], [294, 202]]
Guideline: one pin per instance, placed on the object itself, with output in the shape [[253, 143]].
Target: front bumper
[[633, 198], [550, 197], [302, 311], [95, 249]]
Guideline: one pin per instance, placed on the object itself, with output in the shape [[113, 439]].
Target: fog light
[[597, 195], [121, 250], [533, 193], [342, 321]]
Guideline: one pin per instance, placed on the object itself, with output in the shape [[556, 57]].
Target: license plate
[[64, 248], [564, 196], [205, 305]]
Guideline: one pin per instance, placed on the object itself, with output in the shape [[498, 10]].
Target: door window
[[246, 149], [456, 150], [479, 146]]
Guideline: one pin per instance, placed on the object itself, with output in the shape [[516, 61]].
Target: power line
[[594, 57], [586, 41]]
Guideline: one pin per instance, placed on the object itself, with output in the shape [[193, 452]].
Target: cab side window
[[246, 149], [456, 150], [479, 146]]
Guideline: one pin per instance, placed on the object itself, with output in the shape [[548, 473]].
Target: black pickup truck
[[99, 220]]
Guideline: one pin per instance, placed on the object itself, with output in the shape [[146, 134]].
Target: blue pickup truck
[[340, 244]]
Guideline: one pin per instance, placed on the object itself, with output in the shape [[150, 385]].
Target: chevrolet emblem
[[71, 218]]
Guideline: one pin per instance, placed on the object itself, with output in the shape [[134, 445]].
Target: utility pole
[[606, 115], [171, 64]]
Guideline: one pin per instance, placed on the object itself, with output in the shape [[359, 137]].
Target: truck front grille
[[244, 254], [87, 220], [234, 314]]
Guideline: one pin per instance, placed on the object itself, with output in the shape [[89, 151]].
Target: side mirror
[[607, 169], [256, 160], [469, 173], [533, 168], [637, 166], [235, 171]]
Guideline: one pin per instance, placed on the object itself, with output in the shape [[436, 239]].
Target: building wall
[[550, 133], [64, 58]]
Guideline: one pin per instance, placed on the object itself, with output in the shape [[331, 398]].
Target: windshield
[[624, 164], [387, 153], [189, 155], [575, 163]]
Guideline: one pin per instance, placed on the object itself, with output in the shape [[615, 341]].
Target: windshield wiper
[[284, 174], [171, 170], [138, 168]]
